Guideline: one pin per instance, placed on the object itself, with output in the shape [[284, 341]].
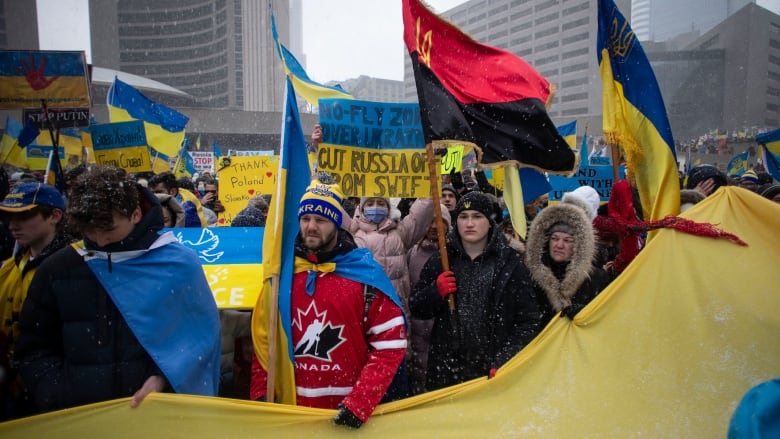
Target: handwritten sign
[[453, 160], [365, 172], [368, 124], [600, 178], [57, 77], [122, 145], [246, 177]]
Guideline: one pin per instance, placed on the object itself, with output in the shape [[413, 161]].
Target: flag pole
[[272, 336], [615, 161], [436, 199]]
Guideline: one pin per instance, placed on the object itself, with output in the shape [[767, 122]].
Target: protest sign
[[364, 124], [245, 177], [121, 144], [600, 178], [366, 172]]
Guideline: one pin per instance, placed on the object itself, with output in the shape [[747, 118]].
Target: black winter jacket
[[75, 347], [495, 315]]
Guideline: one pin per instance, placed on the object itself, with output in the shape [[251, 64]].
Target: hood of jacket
[[560, 289]]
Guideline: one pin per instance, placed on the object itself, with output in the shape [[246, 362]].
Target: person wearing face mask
[[376, 227]]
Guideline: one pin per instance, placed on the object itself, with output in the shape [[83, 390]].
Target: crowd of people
[[379, 310]]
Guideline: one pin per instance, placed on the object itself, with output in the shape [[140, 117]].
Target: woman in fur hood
[[559, 254]]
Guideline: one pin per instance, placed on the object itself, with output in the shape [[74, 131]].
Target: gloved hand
[[445, 283], [571, 310], [347, 418]]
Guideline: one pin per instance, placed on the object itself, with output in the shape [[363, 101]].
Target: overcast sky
[[342, 39]]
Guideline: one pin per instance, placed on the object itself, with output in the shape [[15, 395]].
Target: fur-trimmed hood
[[560, 292]]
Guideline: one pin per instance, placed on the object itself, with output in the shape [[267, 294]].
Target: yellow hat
[[323, 200]]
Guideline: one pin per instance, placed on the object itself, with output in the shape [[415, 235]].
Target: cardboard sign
[[246, 177], [365, 124], [365, 172], [122, 145]]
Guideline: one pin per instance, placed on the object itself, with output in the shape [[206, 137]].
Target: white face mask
[[375, 214]]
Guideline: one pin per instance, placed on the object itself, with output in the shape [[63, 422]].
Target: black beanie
[[475, 201]]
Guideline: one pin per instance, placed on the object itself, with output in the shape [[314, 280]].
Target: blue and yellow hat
[[323, 200], [27, 196]]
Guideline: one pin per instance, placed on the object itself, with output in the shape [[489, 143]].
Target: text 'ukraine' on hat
[[30, 195], [323, 200]]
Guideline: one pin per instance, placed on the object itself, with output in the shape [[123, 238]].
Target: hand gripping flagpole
[[440, 230]]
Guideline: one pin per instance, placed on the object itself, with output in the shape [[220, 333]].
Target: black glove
[[347, 418], [571, 310]]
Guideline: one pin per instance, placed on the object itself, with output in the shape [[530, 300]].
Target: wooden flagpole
[[440, 229], [272, 336]]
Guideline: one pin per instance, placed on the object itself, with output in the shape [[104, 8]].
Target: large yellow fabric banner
[[666, 351]]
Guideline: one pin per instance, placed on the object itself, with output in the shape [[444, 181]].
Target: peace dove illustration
[[204, 246]]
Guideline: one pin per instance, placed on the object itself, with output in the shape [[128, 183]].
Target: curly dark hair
[[99, 192]]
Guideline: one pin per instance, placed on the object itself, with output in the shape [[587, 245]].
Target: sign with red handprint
[[57, 77]]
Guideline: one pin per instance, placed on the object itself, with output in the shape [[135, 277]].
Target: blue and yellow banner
[[121, 144], [38, 156], [164, 126], [232, 259], [634, 114], [29, 77]]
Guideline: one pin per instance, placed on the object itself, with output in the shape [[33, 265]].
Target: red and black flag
[[481, 94]]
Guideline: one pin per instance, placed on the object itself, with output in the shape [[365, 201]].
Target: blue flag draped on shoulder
[[164, 126], [278, 247], [311, 91], [190, 326], [634, 114]]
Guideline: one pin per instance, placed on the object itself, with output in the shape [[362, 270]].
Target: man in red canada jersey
[[348, 331]]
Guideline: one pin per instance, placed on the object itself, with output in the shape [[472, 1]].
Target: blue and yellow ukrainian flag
[[770, 149], [634, 114], [164, 126], [10, 151], [569, 133], [311, 91], [279, 253], [738, 164], [184, 166], [28, 76], [55, 176]]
